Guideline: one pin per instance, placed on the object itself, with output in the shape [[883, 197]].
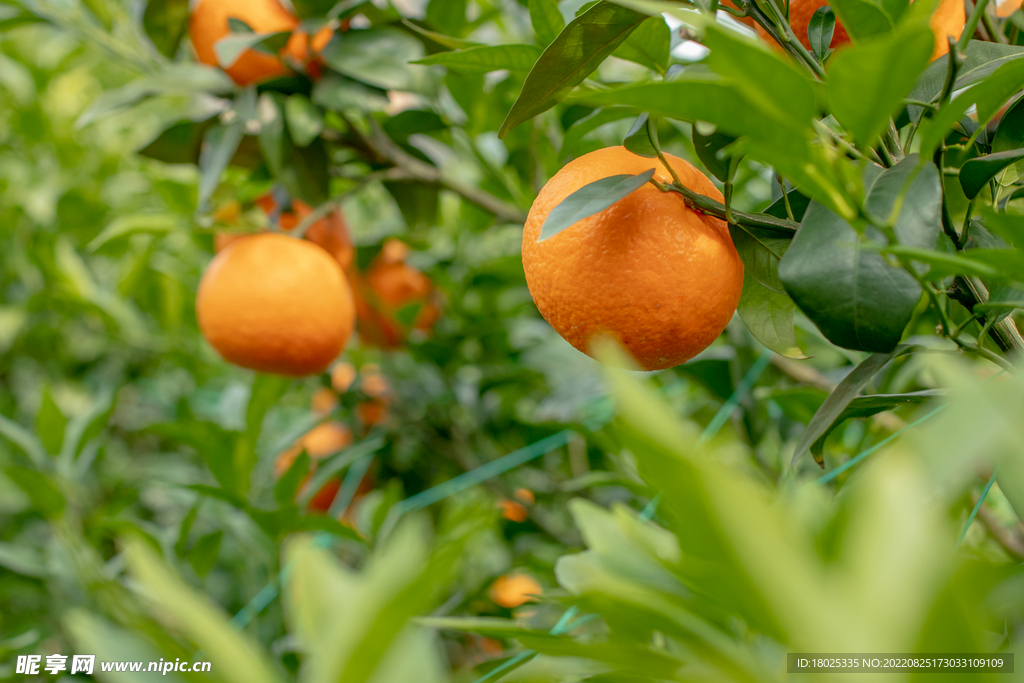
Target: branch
[[704, 204], [969, 292], [1010, 541]]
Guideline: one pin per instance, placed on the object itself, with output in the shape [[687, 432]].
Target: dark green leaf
[[760, 251], [203, 554], [648, 45], [165, 22], [417, 201], [843, 395], [798, 203], [708, 148], [447, 15], [25, 441], [574, 54], [185, 528], [1008, 227], [50, 424], [943, 265], [590, 123], [305, 120], [215, 444], [45, 496], [266, 391], [487, 58], [850, 292], [820, 30], [546, 19], [412, 122], [866, 406], [976, 173], [379, 56], [1010, 131], [642, 138], [313, 9], [864, 18], [288, 485], [981, 59], [908, 196], [303, 172], [340, 93], [867, 82], [590, 199]]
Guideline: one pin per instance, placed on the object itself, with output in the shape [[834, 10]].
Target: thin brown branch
[[1009, 539]]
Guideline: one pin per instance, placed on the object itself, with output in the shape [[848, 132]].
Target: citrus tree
[[396, 193]]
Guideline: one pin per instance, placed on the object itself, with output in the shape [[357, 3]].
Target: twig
[[1009, 540], [704, 204]]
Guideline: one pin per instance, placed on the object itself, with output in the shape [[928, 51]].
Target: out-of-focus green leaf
[[305, 120], [50, 423], [378, 56], [210, 440], [448, 15], [134, 224], [231, 47], [304, 172], [340, 93], [219, 145], [866, 406], [648, 45], [574, 136], [981, 59], [166, 22], [46, 497], [288, 484], [235, 657], [22, 559], [546, 19], [111, 643], [864, 18], [573, 55], [708, 148], [867, 82], [590, 199], [203, 554], [841, 397], [23, 439], [485, 58]]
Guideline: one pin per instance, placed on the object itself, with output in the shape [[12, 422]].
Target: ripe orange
[[948, 20], [388, 286], [324, 401], [660, 278], [275, 304], [342, 376], [209, 23], [513, 511], [1005, 8], [514, 590], [320, 442], [524, 496]]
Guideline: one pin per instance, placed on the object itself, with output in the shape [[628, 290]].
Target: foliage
[[874, 198]]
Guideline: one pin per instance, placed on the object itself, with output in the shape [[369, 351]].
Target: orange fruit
[[324, 401], [372, 412], [1005, 8], [661, 279], [514, 590], [320, 442], [342, 377], [513, 511], [275, 304], [948, 20], [388, 286], [209, 23], [524, 496]]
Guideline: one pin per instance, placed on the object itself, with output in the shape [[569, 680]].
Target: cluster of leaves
[[893, 205]]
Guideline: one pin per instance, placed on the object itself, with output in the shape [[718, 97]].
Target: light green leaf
[[305, 120], [590, 199], [50, 424], [769, 317], [134, 224], [379, 56], [485, 58], [648, 45], [546, 19]]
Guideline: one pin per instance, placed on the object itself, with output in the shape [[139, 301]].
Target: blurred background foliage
[[123, 532]]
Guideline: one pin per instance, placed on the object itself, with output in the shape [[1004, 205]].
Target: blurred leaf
[[266, 392], [648, 45], [314, 9], [24, 440], [820, 30], [866, 406], [448, 15], [769, 317], [181, 143], [22, 559], [841, 397], [234, 656], [111, 643], [288, 484], [219, 145], [186, 528], [642, 138], [203, 555], [574, 54], [340, 93], [546, 19], [50, 424], [976, 173], [230, 47], [867, 82], [943, 265], [574, 136], [46, 497], [377, 56], [133, 224], [84, 428], [1010, 131], [166, 22], [210, 440], [769, 81], [590, 199], [303, 172], [305, 120], [708, 148], [866, 18], [485, 58]]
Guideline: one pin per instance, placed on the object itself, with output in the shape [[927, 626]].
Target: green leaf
[[648, 45], [760, 250], [237, 658], [447, 15], [866, 406], [339, 93], [134, 224], [977, 172], [866, 18], [219, 144], [487, 58], [867, 82], [1010, 131], [267, 390], [203, 554], [24, 440], [798, 203], [186, 527], [981, 59], [769, 317], [288, 485], [378, 56], [230, 47], [772, 83], [708, 148], [847, 289], [22, 559], [165, 22], [215, 444], [46, 497], [303, 172], [50, 424], [579, 129], [820, 30], [642, 138], [943, 265], [546, 19], [843, 395], [305, 120], [574, 54], [111, 643], [908, 197], [590, 199]]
